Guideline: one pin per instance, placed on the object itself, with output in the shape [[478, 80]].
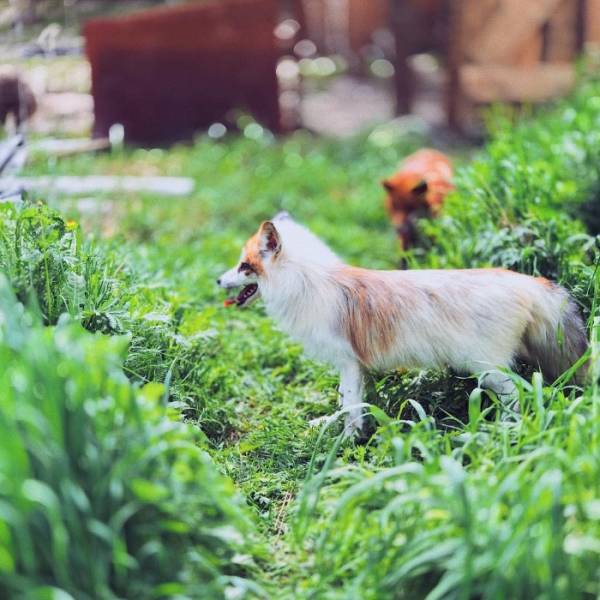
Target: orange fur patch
[[256, 244], [368, 315], [545, 282], [252, 254], [427, 165]]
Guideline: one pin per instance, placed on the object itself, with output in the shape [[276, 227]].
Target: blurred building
[[164, 73]]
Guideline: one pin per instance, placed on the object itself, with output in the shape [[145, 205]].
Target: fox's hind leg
[[491, 372], [352, 389], [493, 376], [504, 387], [500, 383]]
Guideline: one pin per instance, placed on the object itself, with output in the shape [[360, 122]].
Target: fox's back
[[449, 285], [444, 317], [470, 291], [428, 162]]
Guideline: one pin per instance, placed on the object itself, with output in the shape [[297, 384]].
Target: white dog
[[472, 320]]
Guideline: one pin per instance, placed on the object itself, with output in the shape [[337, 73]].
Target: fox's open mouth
[[248, 292]]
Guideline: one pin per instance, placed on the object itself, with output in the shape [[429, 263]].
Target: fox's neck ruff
[[296, 293], [297, 288], [305, 301]]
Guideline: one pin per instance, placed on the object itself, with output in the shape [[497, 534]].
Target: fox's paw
[[353, 425], [324, 420]]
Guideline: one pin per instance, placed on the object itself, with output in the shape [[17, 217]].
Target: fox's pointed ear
[[420, 188], [269, 239], [281, 215], [388, 185]]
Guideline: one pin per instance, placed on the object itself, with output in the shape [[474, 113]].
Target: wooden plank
[[491, 83], [530, 53], [166, 72], [9, 149], [508, 29], [475, 14], [165, 186], [364, 18], [403, 18], [314, 14], [454, 52], [69, 147], [561, 33], [470, 18]]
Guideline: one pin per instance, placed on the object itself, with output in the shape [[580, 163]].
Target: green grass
[[104, 493], [445, 495]]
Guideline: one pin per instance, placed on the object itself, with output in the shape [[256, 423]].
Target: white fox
[[471, 320]]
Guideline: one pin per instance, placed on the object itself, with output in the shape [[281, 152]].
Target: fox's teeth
[[246, 293]]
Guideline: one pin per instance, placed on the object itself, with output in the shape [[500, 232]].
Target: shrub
[[103, 492], [48, 266]]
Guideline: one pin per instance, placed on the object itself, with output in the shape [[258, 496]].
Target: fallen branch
[[70, 185], [69, 147], [9, 149]]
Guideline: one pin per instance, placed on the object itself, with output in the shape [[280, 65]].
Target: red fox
[[417, 190]]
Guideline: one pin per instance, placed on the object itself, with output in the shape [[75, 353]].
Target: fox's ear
[[281, 215], [420, 188], [388, 185], [269, 239]]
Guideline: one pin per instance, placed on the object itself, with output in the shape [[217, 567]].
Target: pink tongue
[[246, 293]]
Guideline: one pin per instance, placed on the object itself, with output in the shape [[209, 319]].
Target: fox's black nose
[[219, 281]]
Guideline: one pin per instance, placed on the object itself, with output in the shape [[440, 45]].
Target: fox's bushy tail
[[556, 336]]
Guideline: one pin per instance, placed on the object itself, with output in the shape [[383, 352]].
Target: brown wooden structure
[[342, 26], [494, 50], [511, 51], [418, 26], [167, 72]]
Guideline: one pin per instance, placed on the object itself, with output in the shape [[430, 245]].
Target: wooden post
[[592, 22], [454, 103], [403, 20], [561, 35], [167, 72]]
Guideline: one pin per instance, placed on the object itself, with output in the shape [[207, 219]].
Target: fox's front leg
[[351, 392]]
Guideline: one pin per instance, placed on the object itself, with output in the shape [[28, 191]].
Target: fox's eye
[[245, 267], [420, 188]]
